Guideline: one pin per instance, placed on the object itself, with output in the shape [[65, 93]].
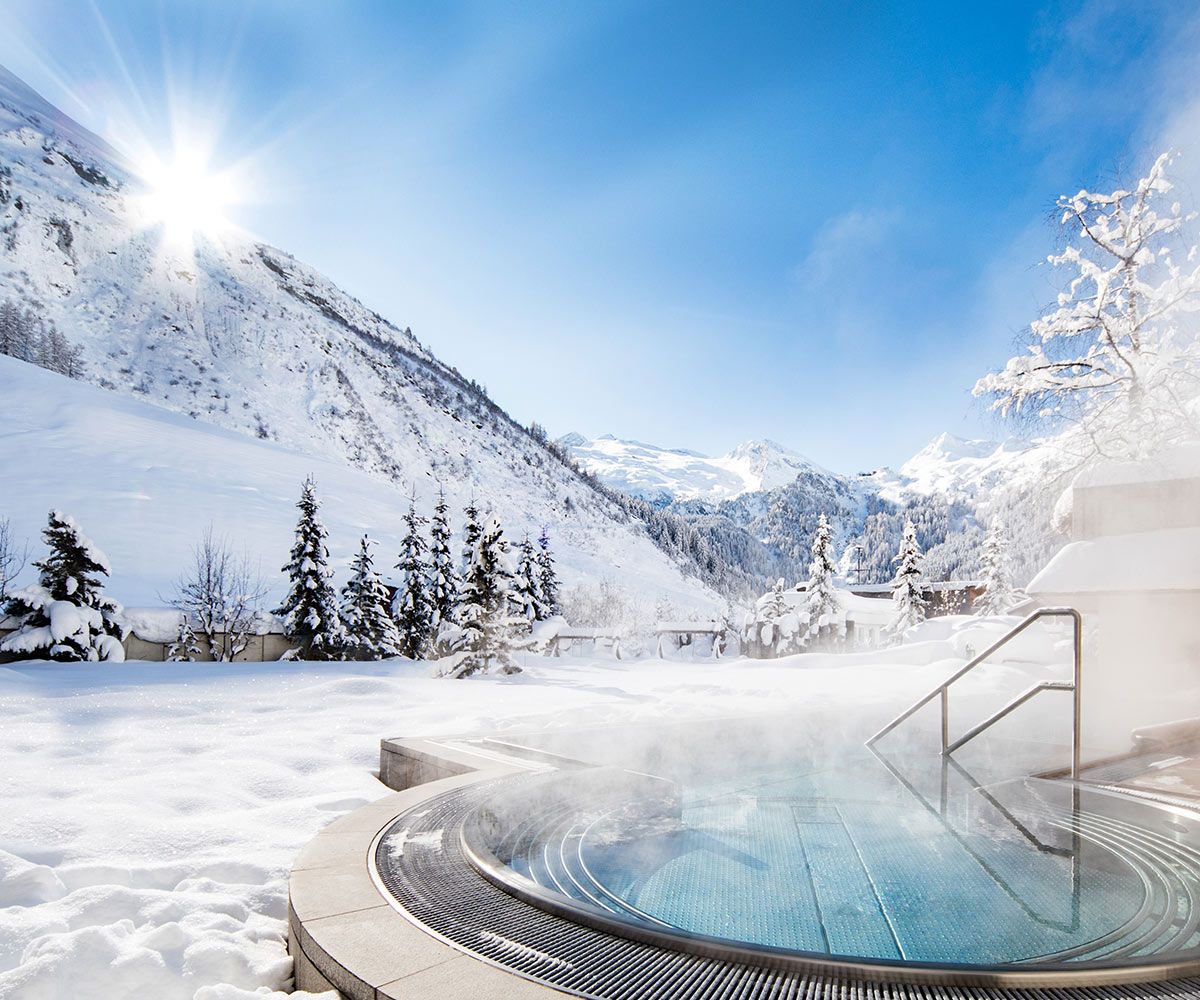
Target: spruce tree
[[907, 601], [309, 611], [822, 600], [412, 607], [998, 595], [371, 632], [547, 578], [471, 532], [488, 631], [527, 586], [66, 615], [443, 578]]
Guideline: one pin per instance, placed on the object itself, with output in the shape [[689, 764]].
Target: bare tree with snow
[[1117, 358], [219, 598], [13, 556]]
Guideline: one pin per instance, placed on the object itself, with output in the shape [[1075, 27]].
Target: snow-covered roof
[[855, 608], [928, 586], [1182, 462], [680, 626], [1146, 561]]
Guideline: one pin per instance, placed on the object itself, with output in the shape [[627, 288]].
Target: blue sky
[[812, 222]]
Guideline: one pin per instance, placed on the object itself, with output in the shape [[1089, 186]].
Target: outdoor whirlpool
[[832, 854]]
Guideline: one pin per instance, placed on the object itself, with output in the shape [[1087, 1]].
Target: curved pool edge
[[345, 935], [348, 933], [1011, 976]]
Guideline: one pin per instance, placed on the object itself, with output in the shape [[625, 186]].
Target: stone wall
[[259, 649]]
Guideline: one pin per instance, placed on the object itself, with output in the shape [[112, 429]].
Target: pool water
[[910, 858]]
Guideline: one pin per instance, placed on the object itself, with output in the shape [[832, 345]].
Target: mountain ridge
[[237, 333]]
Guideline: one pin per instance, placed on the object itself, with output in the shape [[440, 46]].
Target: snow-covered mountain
[[957, 467], [663, 476], [759, 504], [240, 335]]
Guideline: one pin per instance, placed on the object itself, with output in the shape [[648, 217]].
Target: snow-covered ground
[[152, 810], [144, 482]]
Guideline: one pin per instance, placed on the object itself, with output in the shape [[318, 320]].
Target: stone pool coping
[[344, 935]]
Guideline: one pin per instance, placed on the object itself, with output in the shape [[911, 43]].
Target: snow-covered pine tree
[[66, 615], [822, 603], [443, 578], [488, 631], [309, 611], [412, 607], [907, 601], [1116, 359], [773, 629], [527, 586], [471, 532], [547, 577], [186, 647], [998, 595], [371, 632]]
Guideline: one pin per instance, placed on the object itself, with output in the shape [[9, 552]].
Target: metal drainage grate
[[420, 862]]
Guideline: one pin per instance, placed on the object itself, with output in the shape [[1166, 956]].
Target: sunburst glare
[[186, 195]]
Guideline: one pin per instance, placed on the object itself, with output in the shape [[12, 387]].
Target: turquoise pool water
[[904, 859]]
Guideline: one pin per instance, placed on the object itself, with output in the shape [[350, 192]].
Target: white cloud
[[845, 243]]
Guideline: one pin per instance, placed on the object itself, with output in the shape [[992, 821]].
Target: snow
[[1141, 562], [955, 467], [145, 482], [669, 474], [162, 804]]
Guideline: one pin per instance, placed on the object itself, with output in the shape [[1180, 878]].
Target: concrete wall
[[1141, 663], [1129, 508]]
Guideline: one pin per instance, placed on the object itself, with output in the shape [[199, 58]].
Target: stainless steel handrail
[[942, 691]]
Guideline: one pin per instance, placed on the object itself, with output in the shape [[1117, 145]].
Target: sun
[[186, 196]]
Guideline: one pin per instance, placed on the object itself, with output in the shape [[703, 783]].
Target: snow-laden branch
[[1118, 355]]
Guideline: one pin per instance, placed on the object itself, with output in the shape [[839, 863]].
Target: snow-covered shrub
[[774, 627], [66, 615]]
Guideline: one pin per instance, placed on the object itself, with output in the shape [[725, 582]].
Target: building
[[1132, 568], [779, 623], [942, 597]]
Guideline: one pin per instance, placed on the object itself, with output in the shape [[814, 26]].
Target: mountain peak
[[952, 447]]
